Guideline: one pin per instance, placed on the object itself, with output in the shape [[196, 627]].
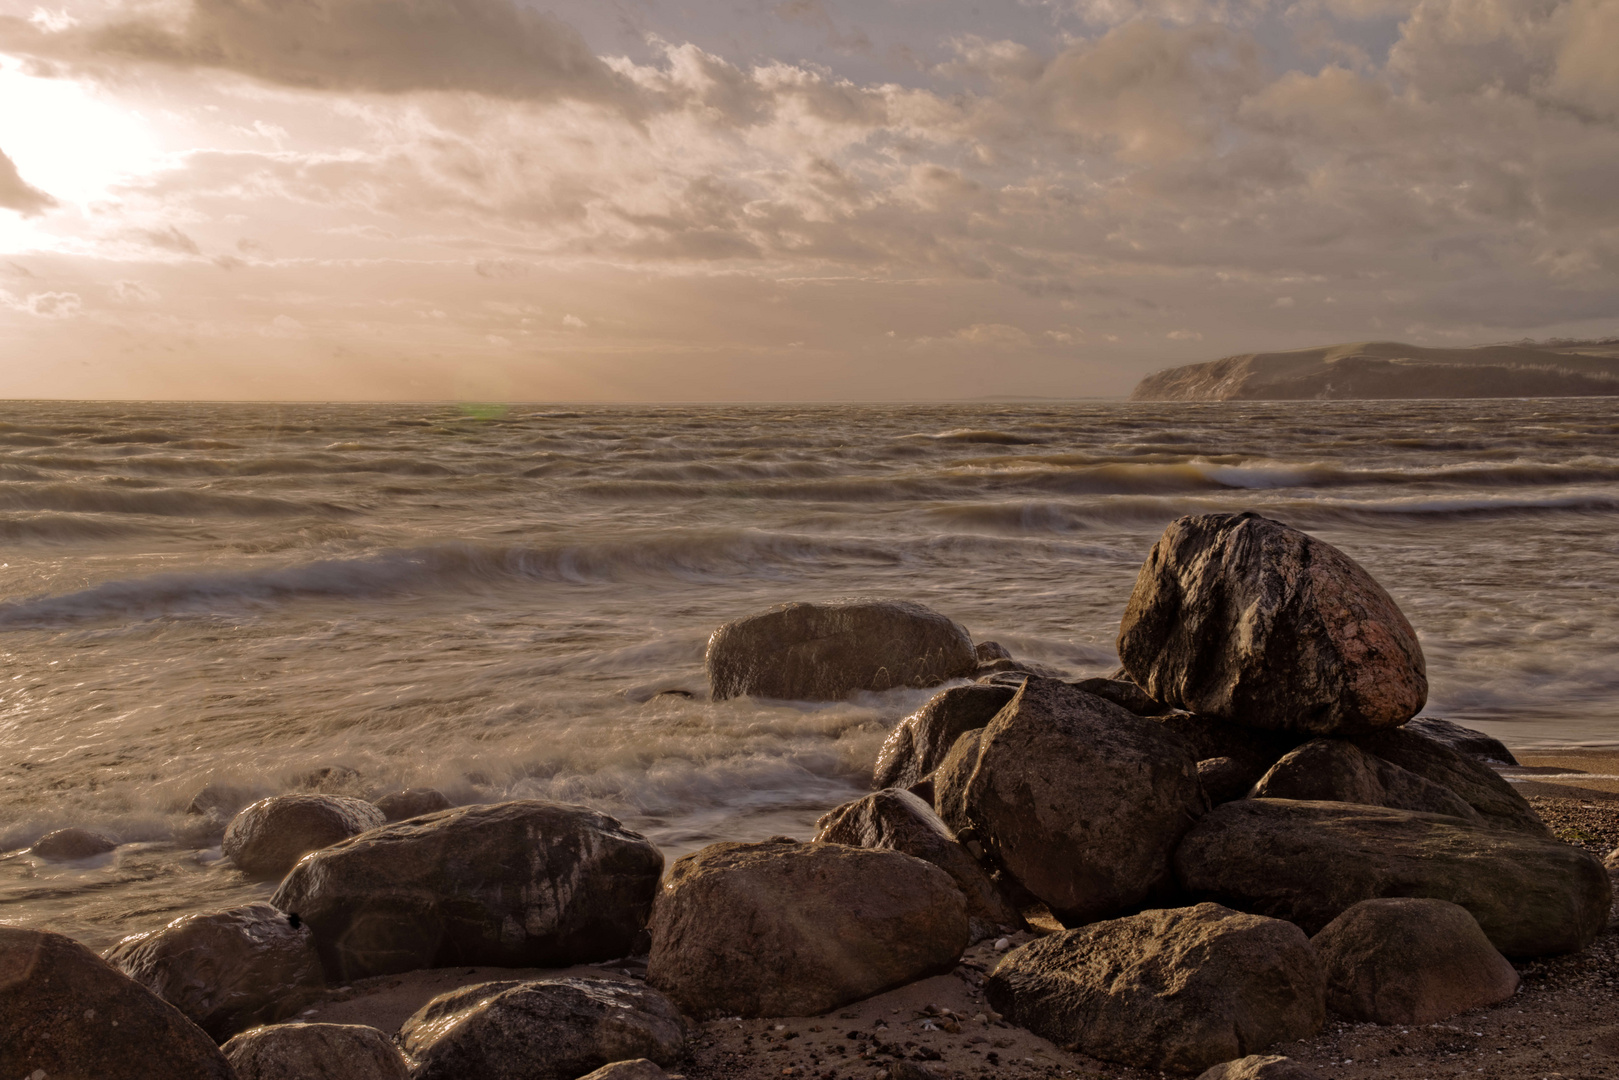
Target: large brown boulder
[[1080, 800], [824, 652], [65, 1012], [1308, 862], [1181, 988], [896, 820], [1336, 770], [268, 837], [316, 1052], [514, 884], [787, 929], [226, 970], [1479, 785], [1247, 619], [550, 1029], [1404, 960], [921, 741]]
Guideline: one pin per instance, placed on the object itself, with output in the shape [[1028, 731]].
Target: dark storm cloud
[[19, 195]]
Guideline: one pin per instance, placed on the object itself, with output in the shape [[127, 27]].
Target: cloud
[[16, 194], [134, 292], [169, 239], [50, 305]]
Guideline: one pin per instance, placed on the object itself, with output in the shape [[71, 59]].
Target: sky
[[716, 200]]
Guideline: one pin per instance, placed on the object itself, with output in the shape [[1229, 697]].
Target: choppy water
[[241, 593]]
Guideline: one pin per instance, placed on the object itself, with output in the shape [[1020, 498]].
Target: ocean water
[[489, 601]]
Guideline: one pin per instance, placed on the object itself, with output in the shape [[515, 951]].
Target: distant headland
[[1388, 369]]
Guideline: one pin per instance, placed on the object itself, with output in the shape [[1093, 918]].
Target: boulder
[[1464, 740], [1258, 1067], [950, 781], [787, 929], [1405, 960], [1479, 785], [1309, 862], [1336, 770], [316, 1052], [223, 799], [1225, 778], [1125, 694], [824, 652], [988, 651], [226, 970], [1209, 737], [268, 837], [65, 1012], [1180, 989], [65, 845], [1611, 863], [550, 1029], [896, 820], [412, 802], [639, 1069], [514, 884], [1080, 800], [1249, 620], [920, 742]]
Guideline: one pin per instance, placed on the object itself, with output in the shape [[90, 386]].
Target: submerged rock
[[787, 929], [1178, 989], [315, 1052], [551, 1029], [824, 652], [1246, 619], [896, 820], [1309, 862], [1079, 800], [922, 740], [267, 838], [412, 802], [1402, 960], [1335, 770], [226, 970], [65, 1012], [66, 845], [514, 884]]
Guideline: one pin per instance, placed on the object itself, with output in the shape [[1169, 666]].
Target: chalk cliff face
[[1388, 369]]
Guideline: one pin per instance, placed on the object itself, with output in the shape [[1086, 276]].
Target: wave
[[165, 502], [64, 528]]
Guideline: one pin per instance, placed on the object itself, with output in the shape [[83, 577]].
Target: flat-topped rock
[[315, 1052], [921, 741], [824, 652], [268, 837], [1244, 618]]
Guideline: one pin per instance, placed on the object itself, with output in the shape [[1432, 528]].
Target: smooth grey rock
[[921, 741], [1336, 770], [66, 1013], [787, 929], [226, 970], [316, 1052], [897, 820], [1244, 618], [1180, 989], [1475, 744], [1481, 786], [549, 1029], [1080, 800], [514, 884], [1404, 960], [1308, 862], [412, 802], [824, 652], [268, 837], [66, 845], [1258, 1067]]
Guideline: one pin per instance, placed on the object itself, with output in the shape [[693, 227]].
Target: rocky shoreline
[[1238, 857]]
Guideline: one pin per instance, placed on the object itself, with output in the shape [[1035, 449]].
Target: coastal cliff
[[1388, 369]]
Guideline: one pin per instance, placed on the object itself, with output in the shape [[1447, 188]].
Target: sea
[[496, 600]]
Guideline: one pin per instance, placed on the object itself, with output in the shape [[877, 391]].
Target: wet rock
[[639, 1069], [226, 970], [922, 740], [950, 781], [1180, 989], [65, 845], [1246, 619], [1080, 800], [896, 820], [223, 799], [1335, 770], [1410, 961], [514, 884], [65, 1012], [1308, 862], [824, 652], [787, 929], [316, 1052], [412, 802], [1464, 740], [1125, 694], [1010, 668], [333, 780], [551, 1029], [271, 835], [986, 651], [1259, 1067], [1479, 785]]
